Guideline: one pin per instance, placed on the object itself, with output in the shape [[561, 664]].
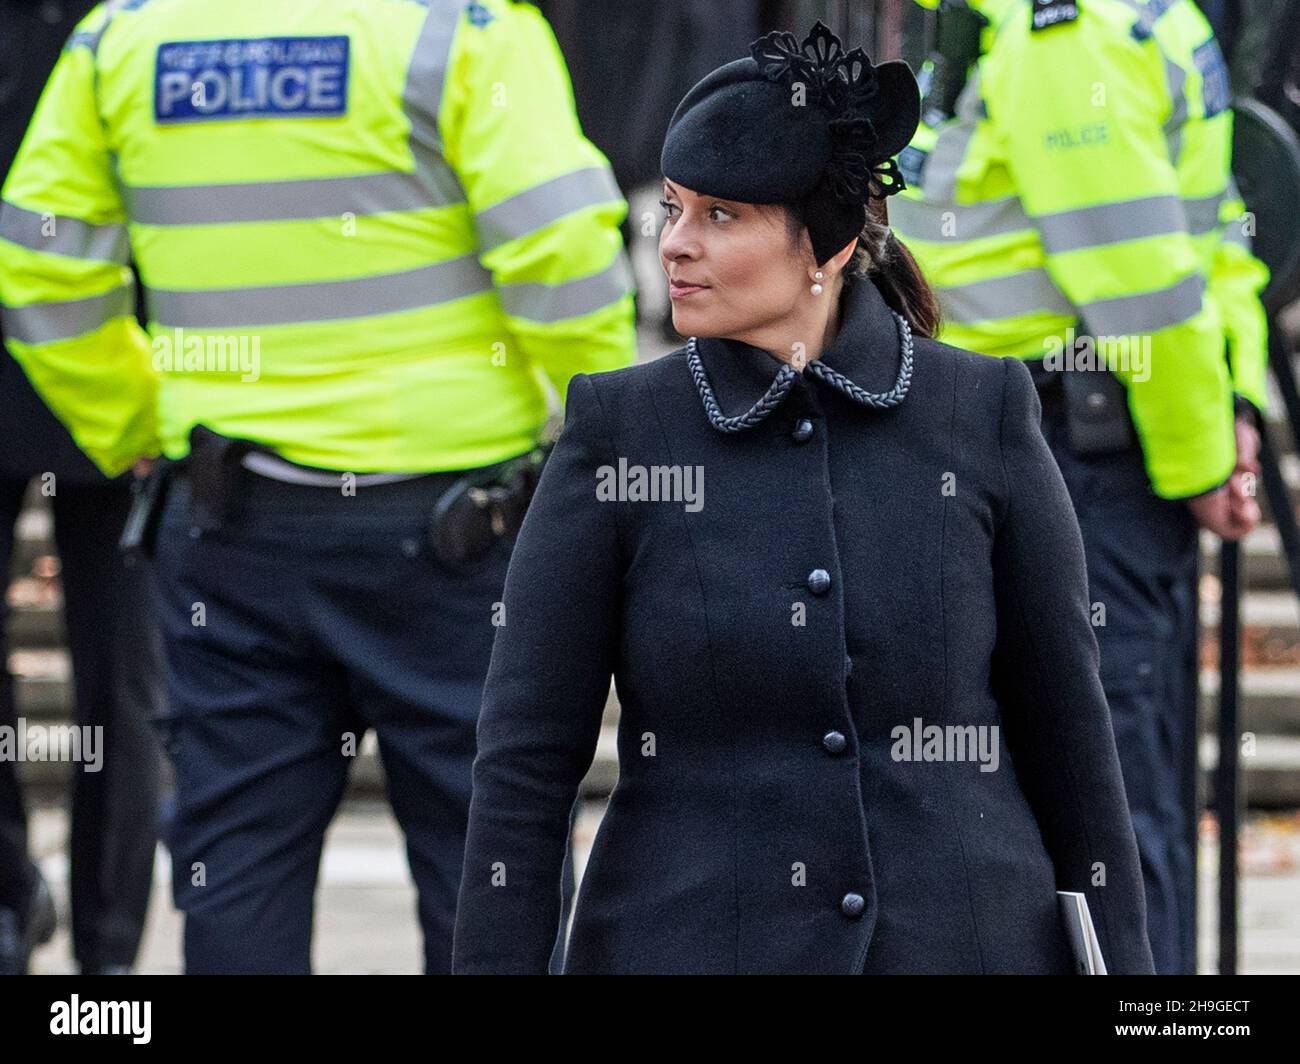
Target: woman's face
[[732, 267]]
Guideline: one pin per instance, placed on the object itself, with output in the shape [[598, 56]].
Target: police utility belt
[[1094, 404], [469, 509]]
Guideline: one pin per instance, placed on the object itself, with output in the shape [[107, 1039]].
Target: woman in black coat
[[834, 572]]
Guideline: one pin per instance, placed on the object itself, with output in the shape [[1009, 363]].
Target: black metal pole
[[1279, 361], [1279, 504], [1193, 790], [1225, 772]]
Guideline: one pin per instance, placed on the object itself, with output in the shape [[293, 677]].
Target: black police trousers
[[117, 670], [307, 618], [1141, 554]]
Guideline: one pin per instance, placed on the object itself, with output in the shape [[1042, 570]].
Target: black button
[[852, 904], [803, 430], [834, 742], [819, 581]]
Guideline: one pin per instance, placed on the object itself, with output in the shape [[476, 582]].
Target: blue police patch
[[1216, 87], [911, 164], [479, 15], [265, 77]]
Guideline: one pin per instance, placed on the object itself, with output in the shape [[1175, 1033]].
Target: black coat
[[764, 820]]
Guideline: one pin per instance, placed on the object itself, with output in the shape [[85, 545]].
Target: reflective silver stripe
[[422, 97], [551, 303], [45, 323], [539, 206], [268, 201], [1110, 223], [69, 236], [1148, 311], [1203, 213], [1148, 13], [425, 286], [91, 38], [1235, 233], [1003, 297], [1176, 77], [920, 220]]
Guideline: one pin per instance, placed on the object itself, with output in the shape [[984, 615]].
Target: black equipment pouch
[[1096, 412], [483, 506], [215, 473], [148, 496]]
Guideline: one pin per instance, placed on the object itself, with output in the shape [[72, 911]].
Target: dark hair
[[881, 256]]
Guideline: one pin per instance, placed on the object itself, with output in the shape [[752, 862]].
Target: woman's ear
[[836, 264], [840, 259]]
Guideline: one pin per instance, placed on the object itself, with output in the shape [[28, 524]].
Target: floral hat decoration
[[807, 124]]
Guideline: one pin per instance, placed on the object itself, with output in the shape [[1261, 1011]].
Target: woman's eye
[[668, 207], [718, 210]]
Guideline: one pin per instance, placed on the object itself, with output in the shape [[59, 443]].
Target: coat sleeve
[[1237, 280], [545, 203], [1046, 678], [66, 288], [543, 701]]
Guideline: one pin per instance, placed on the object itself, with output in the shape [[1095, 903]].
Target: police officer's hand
[[1230, 511]]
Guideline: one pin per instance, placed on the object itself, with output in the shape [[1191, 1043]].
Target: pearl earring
[[817, 288]]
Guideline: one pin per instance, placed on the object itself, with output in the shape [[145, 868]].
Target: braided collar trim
[[785, 377]]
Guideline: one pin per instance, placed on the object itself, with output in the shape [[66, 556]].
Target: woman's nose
[[676, 241]]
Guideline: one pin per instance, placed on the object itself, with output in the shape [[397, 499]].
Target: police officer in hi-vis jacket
[[1071, 200], [371, 236]]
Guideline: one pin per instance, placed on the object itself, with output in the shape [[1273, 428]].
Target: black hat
[[806, 124]]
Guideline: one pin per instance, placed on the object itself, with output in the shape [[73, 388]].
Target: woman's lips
[[681, 291]]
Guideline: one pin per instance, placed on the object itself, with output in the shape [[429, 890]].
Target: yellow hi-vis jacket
[[1084, 189], [368, 231]]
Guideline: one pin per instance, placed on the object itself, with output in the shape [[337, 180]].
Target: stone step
[[43, 695], [1270, 696], [1267, 611], [37, 626], [33, 538], [1270, 774], [1270, 630], [42, 684], [1263, 564], [45, 781], [1270, 701]]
